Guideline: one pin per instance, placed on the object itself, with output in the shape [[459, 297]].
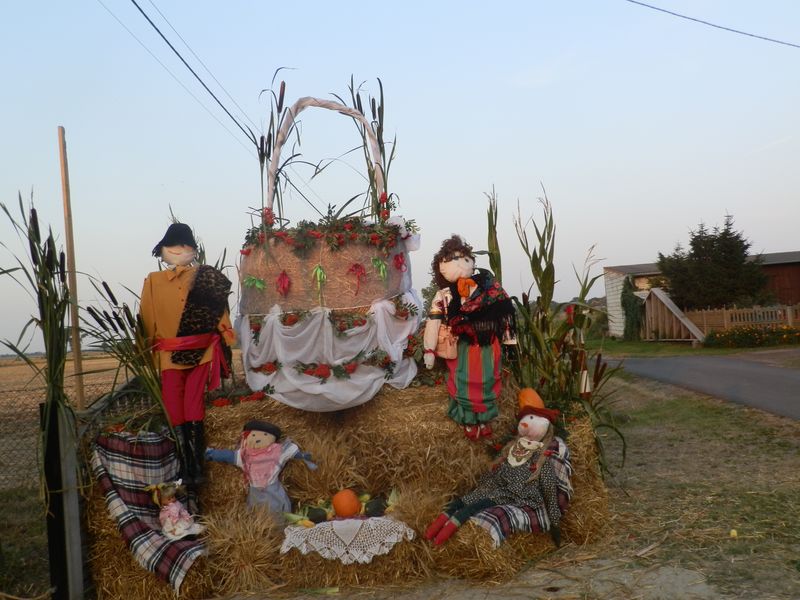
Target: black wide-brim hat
[[178, 234], [256, 425]]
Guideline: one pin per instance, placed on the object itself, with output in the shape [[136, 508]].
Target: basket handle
[[300, 105]]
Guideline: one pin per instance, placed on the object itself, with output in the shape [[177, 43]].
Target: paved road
[[774, 389]]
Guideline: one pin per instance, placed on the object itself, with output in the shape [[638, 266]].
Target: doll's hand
[[429, 358]]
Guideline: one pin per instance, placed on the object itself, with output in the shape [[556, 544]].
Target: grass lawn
[[621, 349]]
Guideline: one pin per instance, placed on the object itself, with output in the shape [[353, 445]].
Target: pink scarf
[[261, 464]]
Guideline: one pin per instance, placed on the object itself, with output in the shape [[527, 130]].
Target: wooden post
[[725, 319], [64, 537], [77, 360]]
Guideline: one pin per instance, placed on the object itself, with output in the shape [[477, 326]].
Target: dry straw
[[401, 439], [341, 289]]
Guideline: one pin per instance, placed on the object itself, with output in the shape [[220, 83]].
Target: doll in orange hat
[[523, 475]]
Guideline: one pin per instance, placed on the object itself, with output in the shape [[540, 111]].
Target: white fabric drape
[[313, 340]]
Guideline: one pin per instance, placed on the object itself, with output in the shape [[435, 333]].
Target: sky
[[639, 125]]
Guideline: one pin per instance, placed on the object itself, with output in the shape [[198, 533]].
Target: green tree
[[715, 270]]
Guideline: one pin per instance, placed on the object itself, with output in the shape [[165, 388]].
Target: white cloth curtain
[[313, 340]]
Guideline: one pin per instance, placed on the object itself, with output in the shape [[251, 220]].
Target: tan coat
[[161, 306]]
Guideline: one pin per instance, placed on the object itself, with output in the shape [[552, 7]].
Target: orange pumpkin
[[527, 397], [346, 503]]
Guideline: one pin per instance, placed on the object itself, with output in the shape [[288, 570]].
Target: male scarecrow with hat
[[184, 309]]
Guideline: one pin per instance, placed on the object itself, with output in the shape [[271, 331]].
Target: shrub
[[752, 336]]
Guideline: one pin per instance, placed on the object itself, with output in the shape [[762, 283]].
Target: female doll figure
[[480, 314]]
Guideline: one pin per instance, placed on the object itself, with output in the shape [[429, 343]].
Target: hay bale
[[116, 574], [401, 439], [588, 514]]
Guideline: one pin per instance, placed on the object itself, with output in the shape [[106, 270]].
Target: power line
[[753, 35], [178, 81], [250, 135], [185, 43]]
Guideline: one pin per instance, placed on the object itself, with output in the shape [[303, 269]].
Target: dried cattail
[[62, 270], [34, 251], [280, 96], [109, 293], [110, 321], [120, 322], [374, 110], [34, 226], [129, 316], [358, 104], [50, 255], [97, 318]]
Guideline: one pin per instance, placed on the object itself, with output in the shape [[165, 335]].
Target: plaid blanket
[[124, 464], [505, 520]]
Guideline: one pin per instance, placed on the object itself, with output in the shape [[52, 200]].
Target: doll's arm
[[306, 458], [147, 311], [226, 330], [431, 335], [227, 456]]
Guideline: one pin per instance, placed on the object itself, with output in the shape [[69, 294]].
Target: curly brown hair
[[450, 247]]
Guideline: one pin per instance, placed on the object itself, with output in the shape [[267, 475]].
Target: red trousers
[[182, 391]]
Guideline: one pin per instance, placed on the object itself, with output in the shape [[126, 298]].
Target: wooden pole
[[73, 279]]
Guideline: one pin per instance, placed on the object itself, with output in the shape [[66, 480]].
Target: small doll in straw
[[523, 475], [480, 315], [176, 522], [261, 456]]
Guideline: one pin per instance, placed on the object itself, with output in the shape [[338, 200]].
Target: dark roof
[[772, 258], [641, 269], [779, 258]]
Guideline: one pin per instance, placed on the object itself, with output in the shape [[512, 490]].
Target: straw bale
[[116, 574], [588, 513], [339, 289], [401, 439]]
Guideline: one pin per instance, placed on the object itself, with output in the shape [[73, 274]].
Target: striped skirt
[[474, 383]]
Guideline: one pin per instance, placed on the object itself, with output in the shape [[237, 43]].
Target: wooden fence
[[721, 319]]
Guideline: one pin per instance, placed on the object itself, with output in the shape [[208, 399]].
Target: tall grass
[[43, 275]]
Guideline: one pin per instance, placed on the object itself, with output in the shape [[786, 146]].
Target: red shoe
[[485, 430], [472, 432], [435, 527], [445, 533]]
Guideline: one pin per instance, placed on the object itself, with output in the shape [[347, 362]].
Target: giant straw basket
[[297, 304]]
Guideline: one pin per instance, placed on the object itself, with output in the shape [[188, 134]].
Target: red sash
[[198, 342]]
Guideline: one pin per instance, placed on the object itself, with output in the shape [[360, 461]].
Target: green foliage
[[715, 271], [753, 337], [113, 329], [428, 292], [495, 262], [633, 308], [46, 278], [551, 354]]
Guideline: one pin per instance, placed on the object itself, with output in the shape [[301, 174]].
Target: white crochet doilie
[[348, 540]]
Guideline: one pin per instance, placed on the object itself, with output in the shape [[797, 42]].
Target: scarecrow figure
[[184, 311], [479, 313], [261, 456], [522, 476]]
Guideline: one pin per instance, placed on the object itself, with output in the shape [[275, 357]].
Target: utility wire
[[185, 43], [753, 35], [178, 81], [250, 135]]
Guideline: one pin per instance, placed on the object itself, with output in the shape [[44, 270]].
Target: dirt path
[[696, 469]]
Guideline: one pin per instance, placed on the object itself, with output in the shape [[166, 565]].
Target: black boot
[[197, 443], [184, 456]]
